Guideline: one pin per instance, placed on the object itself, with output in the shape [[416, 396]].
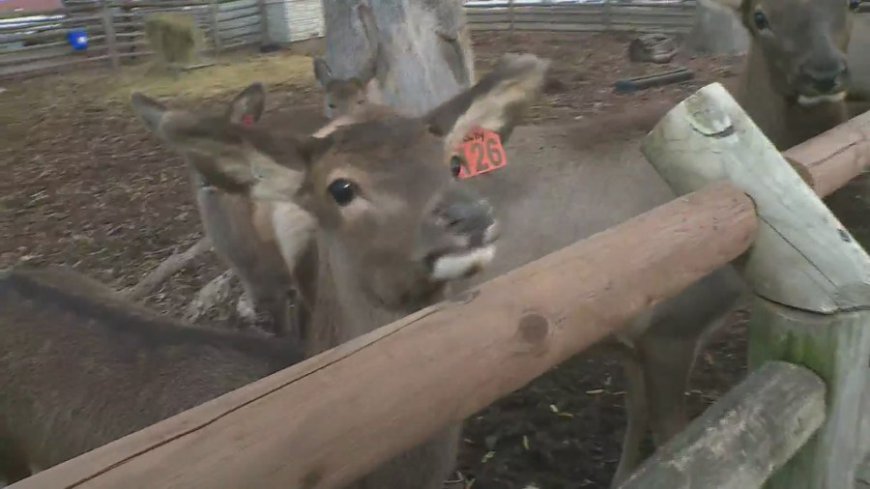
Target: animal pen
[[116, 29], [797, 421]]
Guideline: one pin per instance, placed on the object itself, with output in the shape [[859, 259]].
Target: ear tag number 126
[[482, 152]]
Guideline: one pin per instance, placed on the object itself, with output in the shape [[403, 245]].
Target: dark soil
[[84, 185]]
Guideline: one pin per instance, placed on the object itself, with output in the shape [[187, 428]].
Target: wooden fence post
[[213, 11], [810, 278], [607, 16], [264, 23], [511, 18], [109, 29]]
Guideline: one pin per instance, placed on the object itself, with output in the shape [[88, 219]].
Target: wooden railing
[[791, 425]]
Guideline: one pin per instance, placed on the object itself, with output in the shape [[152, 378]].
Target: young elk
[[796, 77], [80, 367], [267, 244], [393, 226], [345, 96]]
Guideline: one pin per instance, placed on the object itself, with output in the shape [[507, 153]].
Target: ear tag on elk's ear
[[482, 152], [248, 120]]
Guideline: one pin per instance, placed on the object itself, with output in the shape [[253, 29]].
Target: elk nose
[[467, 216], [827, 78], [472, 220]]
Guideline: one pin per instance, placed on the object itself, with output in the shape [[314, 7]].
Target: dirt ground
[[83, 184]]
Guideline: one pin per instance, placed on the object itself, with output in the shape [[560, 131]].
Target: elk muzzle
[[459, 235], [822, 81]]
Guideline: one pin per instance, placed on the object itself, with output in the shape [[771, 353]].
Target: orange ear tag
[[482, 152]]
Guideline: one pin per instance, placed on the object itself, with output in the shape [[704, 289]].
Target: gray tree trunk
[[717, 30], [426, 54]]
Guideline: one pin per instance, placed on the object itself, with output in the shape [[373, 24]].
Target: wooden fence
[[793, 423], [116, 32], [605, 16]]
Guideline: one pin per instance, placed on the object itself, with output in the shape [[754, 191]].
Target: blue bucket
[[78, 39]]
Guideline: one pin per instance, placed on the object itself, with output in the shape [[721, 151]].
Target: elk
[[796, 78], [393, 227], [266, 244], [344, 96], [80, 366]]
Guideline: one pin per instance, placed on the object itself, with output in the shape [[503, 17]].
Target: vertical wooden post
[[264, 23], [213, 12], [809, 277], [607, 15], [511, 18], [109, 29]]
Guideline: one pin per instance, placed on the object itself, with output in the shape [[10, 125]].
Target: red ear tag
[[247, 120], [482, 152]]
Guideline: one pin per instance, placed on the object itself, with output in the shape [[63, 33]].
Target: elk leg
[[637, 412], [667, 364]]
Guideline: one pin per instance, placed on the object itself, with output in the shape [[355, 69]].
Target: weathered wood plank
[[811, 279], [744, 437], [303, 427]]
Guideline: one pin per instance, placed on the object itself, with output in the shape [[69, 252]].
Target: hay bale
[[175, 39]]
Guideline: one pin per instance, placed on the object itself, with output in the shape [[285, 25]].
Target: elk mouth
[[827, 98], [464, 261]]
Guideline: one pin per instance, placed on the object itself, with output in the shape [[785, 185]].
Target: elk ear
[[322, 72], [248, 106], [497, 102], [150, 111]]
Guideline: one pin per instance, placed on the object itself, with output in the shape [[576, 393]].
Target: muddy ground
[[84, 185]]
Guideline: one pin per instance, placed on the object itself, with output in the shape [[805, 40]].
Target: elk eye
[[342, 191], [760, 20], [455, 165], [854, 4]]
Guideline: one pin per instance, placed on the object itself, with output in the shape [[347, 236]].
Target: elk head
[[392, 218], [803, 43]]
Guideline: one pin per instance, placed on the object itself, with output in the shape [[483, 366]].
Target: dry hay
[[227, 77], [174, 38]]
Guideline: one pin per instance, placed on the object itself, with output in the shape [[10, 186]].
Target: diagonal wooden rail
[[320, 423]]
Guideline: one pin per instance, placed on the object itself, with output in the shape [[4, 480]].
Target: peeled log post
[[745, 436], [810, 278], [303, 427], [425, 49]]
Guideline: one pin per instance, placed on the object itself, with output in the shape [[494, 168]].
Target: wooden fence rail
[[609, 16], [744, 437], [302, 427]]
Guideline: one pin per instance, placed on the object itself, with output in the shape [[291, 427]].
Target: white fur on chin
[[820, 99], [457, 265]]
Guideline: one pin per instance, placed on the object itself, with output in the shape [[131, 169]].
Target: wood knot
[[534, 328]]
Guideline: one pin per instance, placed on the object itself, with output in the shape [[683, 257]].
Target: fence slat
[[750, 432]]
